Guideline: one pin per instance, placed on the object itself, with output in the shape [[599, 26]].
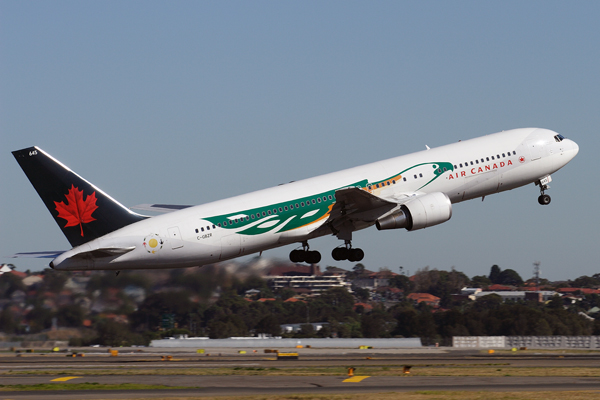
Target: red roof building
[[575, 290], [427, 298]]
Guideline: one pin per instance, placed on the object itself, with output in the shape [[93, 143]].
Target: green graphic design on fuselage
[[286, 216]]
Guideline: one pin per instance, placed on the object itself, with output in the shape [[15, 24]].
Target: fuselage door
[[175, 238]]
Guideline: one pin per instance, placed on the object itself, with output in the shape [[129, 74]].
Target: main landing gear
[[347, 253], [305, 255]]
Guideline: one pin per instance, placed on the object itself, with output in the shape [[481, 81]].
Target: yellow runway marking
[[64, 379], [356, 379]]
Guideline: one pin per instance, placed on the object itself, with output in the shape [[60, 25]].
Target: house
[[429, 299]]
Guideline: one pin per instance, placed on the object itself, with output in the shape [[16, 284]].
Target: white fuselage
[[286, 214]]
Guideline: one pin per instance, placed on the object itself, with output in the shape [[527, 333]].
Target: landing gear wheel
[[297, 256], [355, 255], [544, 199], [339, 254], [312, 257]]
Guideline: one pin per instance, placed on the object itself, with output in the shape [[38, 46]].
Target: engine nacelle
[[421, 212]]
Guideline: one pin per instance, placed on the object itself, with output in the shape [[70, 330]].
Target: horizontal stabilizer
[[39, 254], [163, 208]]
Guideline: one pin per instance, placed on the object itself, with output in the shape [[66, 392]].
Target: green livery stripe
[[294, 214]]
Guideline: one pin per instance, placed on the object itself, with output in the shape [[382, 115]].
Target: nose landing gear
[[544, 199], [347, 253], [304, 255]]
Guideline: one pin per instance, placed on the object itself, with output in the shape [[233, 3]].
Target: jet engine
[[421, 212]]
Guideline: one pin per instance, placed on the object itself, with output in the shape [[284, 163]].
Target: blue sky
[[189, 102]]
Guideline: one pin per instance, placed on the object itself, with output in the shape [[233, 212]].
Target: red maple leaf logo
[[77, 211]]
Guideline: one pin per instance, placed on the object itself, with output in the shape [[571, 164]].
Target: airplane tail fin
[[82, 211]]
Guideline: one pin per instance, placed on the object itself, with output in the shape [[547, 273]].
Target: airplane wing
[[162, 208], [355, 207]]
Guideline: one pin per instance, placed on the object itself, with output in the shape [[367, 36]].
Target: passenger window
[[492, 157], [514, 153], [302, 204], [313, 201], [487, 158], [318, 200], [455, 167], [285, 208], [370, 187], [404, 179], [503, 155], [219, 224], [269, 212], [460, 165], [214, 227], [420, 175], [471, 162], [236, 220], [476, 161], [415, 177], [264, 215], [197, 230], [280, 209], [445, 169], [393, 181], [297, 205], [253, 216], [208, 228], [330, 197]]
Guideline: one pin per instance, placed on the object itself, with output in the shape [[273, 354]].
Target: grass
[[421, 395], [389, 370], [85, 386]]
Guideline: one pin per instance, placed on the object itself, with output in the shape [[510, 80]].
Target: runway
[[148, 369]]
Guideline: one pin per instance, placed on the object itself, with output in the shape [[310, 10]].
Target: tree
[[510, 277], [7, 321], [70, 315], [481, 281], [111, 333], [401, 282], [495, 274], [269, 325], [362, 294]]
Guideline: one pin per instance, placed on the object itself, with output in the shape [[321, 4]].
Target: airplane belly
[[480, 185]]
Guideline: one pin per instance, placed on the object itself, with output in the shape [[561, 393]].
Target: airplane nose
[[575, 149], [572, 149]]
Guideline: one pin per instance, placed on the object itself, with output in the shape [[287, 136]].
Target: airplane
[[411, 192]]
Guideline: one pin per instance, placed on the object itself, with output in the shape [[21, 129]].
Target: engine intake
[[421, 212]]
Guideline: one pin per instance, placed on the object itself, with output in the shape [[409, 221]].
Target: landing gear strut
[[304, 255], [347, 253]]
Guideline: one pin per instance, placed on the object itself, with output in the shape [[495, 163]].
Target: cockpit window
[[559, 138]]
